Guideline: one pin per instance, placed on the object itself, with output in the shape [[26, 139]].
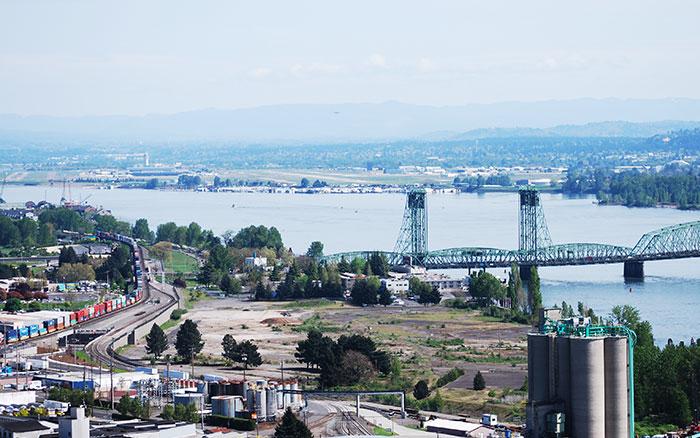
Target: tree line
[[634, 188]]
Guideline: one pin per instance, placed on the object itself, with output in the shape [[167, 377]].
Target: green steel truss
[[413, 236], [678, 241]]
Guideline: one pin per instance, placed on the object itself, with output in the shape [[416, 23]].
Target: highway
[[157, 298]]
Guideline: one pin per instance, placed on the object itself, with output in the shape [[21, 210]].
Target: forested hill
[[685, 139]]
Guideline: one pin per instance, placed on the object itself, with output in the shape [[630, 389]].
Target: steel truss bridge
[[536, 248]]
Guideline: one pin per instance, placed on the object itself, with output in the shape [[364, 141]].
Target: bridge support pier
[[634, 271]]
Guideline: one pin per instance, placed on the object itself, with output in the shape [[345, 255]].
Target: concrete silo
[[580, 380], [616, 387], [587, 387]]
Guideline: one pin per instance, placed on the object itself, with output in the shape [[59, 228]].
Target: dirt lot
[[428, 340]]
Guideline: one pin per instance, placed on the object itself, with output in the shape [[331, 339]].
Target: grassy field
[[180, 263]]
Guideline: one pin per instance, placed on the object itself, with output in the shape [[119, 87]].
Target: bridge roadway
[[674, 242]]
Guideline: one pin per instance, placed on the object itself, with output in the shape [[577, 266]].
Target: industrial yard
[[429, 341]]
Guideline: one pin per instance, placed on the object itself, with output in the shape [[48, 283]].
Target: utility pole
[[17, 370], [111, 375]]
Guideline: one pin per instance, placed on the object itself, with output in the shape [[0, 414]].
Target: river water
[[669, 296]]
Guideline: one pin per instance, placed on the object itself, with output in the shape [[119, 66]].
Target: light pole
[[245, 366]]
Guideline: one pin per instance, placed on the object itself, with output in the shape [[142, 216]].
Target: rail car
[[63, 320]]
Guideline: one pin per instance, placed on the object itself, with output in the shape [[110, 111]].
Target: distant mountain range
[[318, 123]]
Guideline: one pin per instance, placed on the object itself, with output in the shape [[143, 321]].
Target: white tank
[[261, 404], [616, 386], [271, 401], [287, 396], [296, 398], [587, 387], [280, 397]]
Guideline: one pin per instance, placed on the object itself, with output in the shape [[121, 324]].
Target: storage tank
[[189, 399], [538, 373], [587, 387], [280, 397], [616, 386], [214, 389], [250, 399], [261, 403], [296, 398], [223, 405], [271, 401], [238, 388], [287, 395]]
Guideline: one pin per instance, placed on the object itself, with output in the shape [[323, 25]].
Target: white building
[[395, 285], [255, 262]]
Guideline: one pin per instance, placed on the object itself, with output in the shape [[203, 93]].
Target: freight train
[[20, 327]]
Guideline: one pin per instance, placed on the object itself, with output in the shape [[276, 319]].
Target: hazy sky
[[135, 57]]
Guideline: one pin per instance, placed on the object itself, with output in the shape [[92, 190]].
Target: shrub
[[479, 382], [177, 314], [450, 376]]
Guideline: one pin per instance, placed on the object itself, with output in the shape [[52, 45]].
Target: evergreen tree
[[315, 250], [421, 390], [343, 265], [291, 427], [385, 298], [479, 382], [533, 288], [189, 341], [156, 341]]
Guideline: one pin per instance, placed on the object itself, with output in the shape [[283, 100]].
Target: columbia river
[[669, 296]]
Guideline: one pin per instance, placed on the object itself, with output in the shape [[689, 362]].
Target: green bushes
[[451, 376], [177, 314], [242, 424]]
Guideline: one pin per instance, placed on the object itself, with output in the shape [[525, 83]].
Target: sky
[[88, 57]]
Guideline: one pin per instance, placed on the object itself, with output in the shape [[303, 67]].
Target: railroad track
[[101, 349]]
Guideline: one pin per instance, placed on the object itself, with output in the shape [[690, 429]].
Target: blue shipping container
[[24, 332], [33, 330], [11, 335]]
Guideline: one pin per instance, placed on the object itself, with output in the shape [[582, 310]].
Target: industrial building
[[580, 380]]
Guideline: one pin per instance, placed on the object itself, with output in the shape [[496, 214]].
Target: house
[[395, 285]]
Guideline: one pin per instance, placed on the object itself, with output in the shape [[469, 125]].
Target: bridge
[[535, 244]]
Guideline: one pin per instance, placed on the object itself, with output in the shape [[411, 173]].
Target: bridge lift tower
[[532, 228], [413, 237]]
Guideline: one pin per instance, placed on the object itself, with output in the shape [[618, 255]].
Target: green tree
[[534, 293], [12, 305], [291, 427], [244, 352], [156, 341], [315, 250], [73, 272], [46, 235], [421, 390], [431, 295], [343, 265], [168, 412], [364, 291], [484, 288], [124, 406], [385, 297], [230, 285], [479, 382], [142, 231], [188, 342]]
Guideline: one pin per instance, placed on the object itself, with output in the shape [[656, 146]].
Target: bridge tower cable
[[413, 237], [532, 226]]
